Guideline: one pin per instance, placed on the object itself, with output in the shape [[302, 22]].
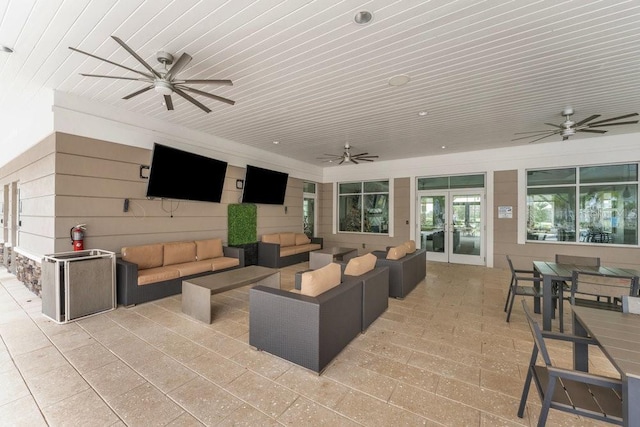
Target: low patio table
[[322, 257]]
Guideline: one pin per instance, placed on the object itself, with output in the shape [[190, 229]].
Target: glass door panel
[[432, 216], [308, 216], [467, 226]]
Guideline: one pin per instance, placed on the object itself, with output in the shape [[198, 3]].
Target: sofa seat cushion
[[360, 265], [223, 262], [307, 248], [288, 250], [157, 274], [287, 239], [271, 238], [144, 256], [195, 267], [316, 282], [397, 252], [207, 249], [179, 252]]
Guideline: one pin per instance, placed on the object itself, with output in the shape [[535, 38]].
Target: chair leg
[[546, 404], [506, 303], [513, 297], [561, 309], [525, 394]]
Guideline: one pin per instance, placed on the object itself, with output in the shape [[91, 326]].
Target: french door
[[451, 225]]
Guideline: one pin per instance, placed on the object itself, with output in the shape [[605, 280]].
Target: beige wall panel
[[138, 208], [39, 206], [127, 226], [38, 225], [88, 186], [70, 164], [41, 187], [38, 245], [89, 147], [41, 168], [32, 155]]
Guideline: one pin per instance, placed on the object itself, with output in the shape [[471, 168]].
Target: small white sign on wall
[[505, 212]]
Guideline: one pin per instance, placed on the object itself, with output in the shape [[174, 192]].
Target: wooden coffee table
[[322, 257], [196, 293]]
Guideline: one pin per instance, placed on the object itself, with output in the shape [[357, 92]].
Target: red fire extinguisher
[[77, 236]]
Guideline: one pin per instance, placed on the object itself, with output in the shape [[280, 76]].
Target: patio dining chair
[[597, 290], [516, 288], [588, 395], [559, 288]]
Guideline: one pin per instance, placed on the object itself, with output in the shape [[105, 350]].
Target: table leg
[[630, 396], [580, 350], [547, 302], [536, 300], [196, 302]]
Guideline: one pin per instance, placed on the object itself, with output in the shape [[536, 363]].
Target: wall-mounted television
[[177, 174], [264, 186]]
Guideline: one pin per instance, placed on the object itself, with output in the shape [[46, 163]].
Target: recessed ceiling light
[[443, 147], [5, 49], [276, 142], [422, 113], [363, 17], [399, 80]]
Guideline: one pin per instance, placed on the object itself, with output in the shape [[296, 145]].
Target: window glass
[[309, 187], [436, 183], [601, 208], [551, 176], [363, 207], [466, 181]]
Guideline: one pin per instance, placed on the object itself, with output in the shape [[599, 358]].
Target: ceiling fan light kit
[[347, 157], [164, 82], [569, 127]]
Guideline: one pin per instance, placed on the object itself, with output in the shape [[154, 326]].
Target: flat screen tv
[[177, 174], [264, 186]]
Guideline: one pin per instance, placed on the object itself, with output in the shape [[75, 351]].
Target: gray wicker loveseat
[[149, 272], [407, 267], [279, 250], [306, 330]]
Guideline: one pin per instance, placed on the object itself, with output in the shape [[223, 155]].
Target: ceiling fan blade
[[588, 119], [533, 131], [191, 100], [592, 130], [135, 55], [168, 102], [613, 124], [555, 126], [354, 160], [341, 162], [361, 154], [615, 118], [549, 133], [199, 92], [117, 77], [182, 62], [365, 160], [149, 76], [207, 82], [138, 92], [365, 157], [547, 136]]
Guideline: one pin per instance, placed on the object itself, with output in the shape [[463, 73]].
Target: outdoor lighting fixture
[[399, 80], [6, 49], [363, 17]]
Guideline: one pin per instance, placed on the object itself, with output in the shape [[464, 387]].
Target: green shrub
[[242, 222]]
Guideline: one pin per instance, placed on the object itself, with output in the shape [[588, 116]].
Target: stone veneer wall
[[29, 272]]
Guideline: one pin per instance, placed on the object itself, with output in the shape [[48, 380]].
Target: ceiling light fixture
[[6, 49], [399, 80], [363, 17], [276, 142], [163, 88], [422, 113], [443, 147]]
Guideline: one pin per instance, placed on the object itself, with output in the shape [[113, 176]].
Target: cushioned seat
[[157, 274], [195, 267], [222, 263]]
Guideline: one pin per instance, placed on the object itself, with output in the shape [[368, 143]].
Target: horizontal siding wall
[[94, 178], [34, 171], [366, 242]]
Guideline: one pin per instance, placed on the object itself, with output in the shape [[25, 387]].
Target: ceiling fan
[[165, 81], [346, 156], [569, 127]]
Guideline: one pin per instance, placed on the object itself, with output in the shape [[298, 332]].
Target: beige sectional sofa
[[278, 250], [148, 272]]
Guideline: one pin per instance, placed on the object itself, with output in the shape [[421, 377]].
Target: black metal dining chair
[[593, 289], [576, 392], [515, 288], [560, 288]]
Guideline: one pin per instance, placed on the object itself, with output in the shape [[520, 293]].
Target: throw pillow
[[360, 265], [271, 238], [207, 249], [302, 239], [287, 239], [411, 246], [397, 252], [315, 282]]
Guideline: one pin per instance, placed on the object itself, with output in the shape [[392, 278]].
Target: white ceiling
[[306, 75]]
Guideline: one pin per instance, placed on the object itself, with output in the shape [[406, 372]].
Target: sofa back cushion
[[397, 252], [302, 239], [360, 265], [145, 256], [410, 245], [315, 282], [179, 252], [271, 238], [287, 239], [207, 249]]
